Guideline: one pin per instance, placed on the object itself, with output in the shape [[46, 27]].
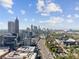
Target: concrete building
[[34, 30], [32, 27], [3, 51], [16, 26], [27, 37], [11, 27], [27, 41], [9, 40], [22, 53], [27, 48], [1, 40]]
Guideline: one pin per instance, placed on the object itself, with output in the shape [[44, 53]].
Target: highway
[[46, 54]]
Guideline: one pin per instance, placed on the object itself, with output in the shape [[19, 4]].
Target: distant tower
[[16, 26], [32, 28], [11, 27]]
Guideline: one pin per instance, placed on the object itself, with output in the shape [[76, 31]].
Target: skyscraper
[[32, 27], [11, 27], [16, 26]]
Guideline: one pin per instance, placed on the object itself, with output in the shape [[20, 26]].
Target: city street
[[46, 54]]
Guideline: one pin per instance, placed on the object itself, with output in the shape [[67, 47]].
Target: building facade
[[16, 26], [11, 27]]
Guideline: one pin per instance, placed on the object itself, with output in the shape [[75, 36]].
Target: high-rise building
[[11, 27], [32, 27], [16, 26]]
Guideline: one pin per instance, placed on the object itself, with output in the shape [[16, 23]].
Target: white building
[[3, 52], [26, 49], [22, 53], [70, 40]]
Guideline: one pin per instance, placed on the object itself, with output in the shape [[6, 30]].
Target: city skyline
[[53, 14]]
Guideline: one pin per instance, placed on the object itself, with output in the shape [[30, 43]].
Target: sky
[[52, 14]]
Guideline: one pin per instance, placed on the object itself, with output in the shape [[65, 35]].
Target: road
[[46, 54], [61, 46]]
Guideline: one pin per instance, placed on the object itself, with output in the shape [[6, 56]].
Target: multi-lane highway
[[46, 54]]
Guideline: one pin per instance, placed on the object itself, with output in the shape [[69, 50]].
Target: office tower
[[35, 28], [32, 27], [11, 27], [16, 26]]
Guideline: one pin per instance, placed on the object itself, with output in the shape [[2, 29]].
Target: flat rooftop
[[20, 55], [26, 49], [3, 51]]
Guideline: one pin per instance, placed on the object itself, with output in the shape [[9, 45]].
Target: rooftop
[[3, 50], [20, 55], [26, 49], [25, 52], [70, 40]]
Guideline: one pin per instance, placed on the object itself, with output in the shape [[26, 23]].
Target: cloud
[[10, 11], [47, 7], [25, 19], [23, 12], [3, 25], [70, 21], [76, 15], [33, 20], [53, 21], [44, 14], [30, 5], [77, 8], [69, 16], [56, 20], [40, 5], [6, 3], [52, 7]]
